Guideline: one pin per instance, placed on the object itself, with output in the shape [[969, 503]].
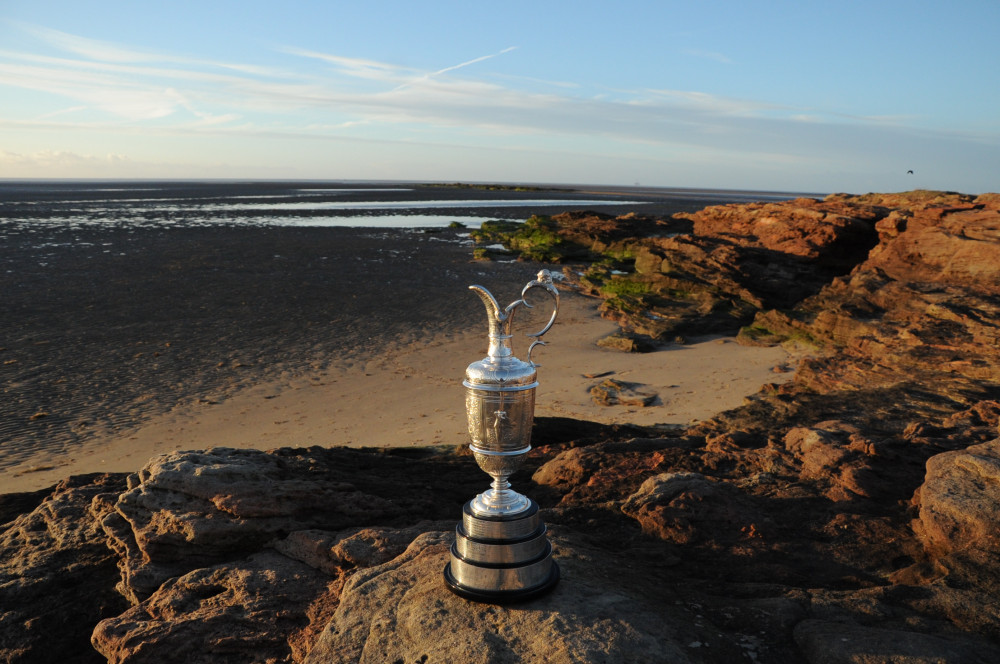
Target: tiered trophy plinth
[[501, 558]]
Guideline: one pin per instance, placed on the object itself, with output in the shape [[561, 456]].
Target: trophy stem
[[499, 500]]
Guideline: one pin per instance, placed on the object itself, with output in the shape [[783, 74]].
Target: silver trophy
[[501, 552]]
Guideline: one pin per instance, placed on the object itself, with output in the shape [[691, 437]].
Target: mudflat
[[118, 343]]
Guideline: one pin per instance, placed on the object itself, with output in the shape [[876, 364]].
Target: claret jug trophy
[[501, 552]]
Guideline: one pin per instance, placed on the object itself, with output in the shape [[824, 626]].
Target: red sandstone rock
[[686, 507], [57, 576], [613, 392], [401, 611], [190, 509], [829, 231], [834, 454], [954, 242], [254, 610], [960, 504]]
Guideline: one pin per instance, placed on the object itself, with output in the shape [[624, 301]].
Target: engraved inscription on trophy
[[501, 552]]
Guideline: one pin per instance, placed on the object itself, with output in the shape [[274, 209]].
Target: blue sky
[[790, 96]]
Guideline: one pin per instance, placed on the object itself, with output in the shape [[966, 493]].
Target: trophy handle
[[500, 319], [531, 348], [544, 280]]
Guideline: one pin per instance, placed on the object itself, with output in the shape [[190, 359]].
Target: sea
[[33, 205]]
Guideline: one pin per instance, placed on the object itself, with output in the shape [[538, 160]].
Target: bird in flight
[[909, 172]]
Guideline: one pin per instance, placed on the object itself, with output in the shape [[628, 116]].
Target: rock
[[831, 233], [628, 343], [57, 576], [569, 468], [191, 509], [831, 452], [402, 611], [613, 392], [604, 470], [13, 505], [685, 507], [960, 504], [280, 597], [945, 242], [257, 610], [185, 510], [825, 642], [335, 552]]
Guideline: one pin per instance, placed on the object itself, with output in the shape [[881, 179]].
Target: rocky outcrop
[[845, 516], [57, 576], [192, 509], [254, 609]]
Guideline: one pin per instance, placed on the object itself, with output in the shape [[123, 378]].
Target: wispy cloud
[[88, 48], [713, 104], [58, 159], [537, 81], [62, 111], [96, 85], [355, 67]]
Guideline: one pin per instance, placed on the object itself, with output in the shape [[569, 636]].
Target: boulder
[[835, 455], [614, 392], [261, 609], [960, 504], [57, 575], [684, 508], [950, 241], [829, 233]]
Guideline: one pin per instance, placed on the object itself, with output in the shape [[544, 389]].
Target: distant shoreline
[[660, 190]]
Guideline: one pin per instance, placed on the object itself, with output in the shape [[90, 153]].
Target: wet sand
[[117, 344]]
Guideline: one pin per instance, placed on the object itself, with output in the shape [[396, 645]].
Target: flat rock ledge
[[221, 564]]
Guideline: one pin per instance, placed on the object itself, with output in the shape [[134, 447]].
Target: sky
[[779, 96]]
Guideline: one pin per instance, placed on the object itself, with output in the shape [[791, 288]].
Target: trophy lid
[[507, 375]]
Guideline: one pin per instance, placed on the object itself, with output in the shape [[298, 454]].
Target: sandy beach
[[411, 395], [123, 343]]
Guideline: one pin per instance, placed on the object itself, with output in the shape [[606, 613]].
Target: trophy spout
[[499, 321]]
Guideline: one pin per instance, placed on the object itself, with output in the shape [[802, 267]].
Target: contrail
[[472, 62], [426, 77]]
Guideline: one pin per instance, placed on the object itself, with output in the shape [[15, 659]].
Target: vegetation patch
[[537, 239], [495, 231], [624, 287], [758, 335]]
